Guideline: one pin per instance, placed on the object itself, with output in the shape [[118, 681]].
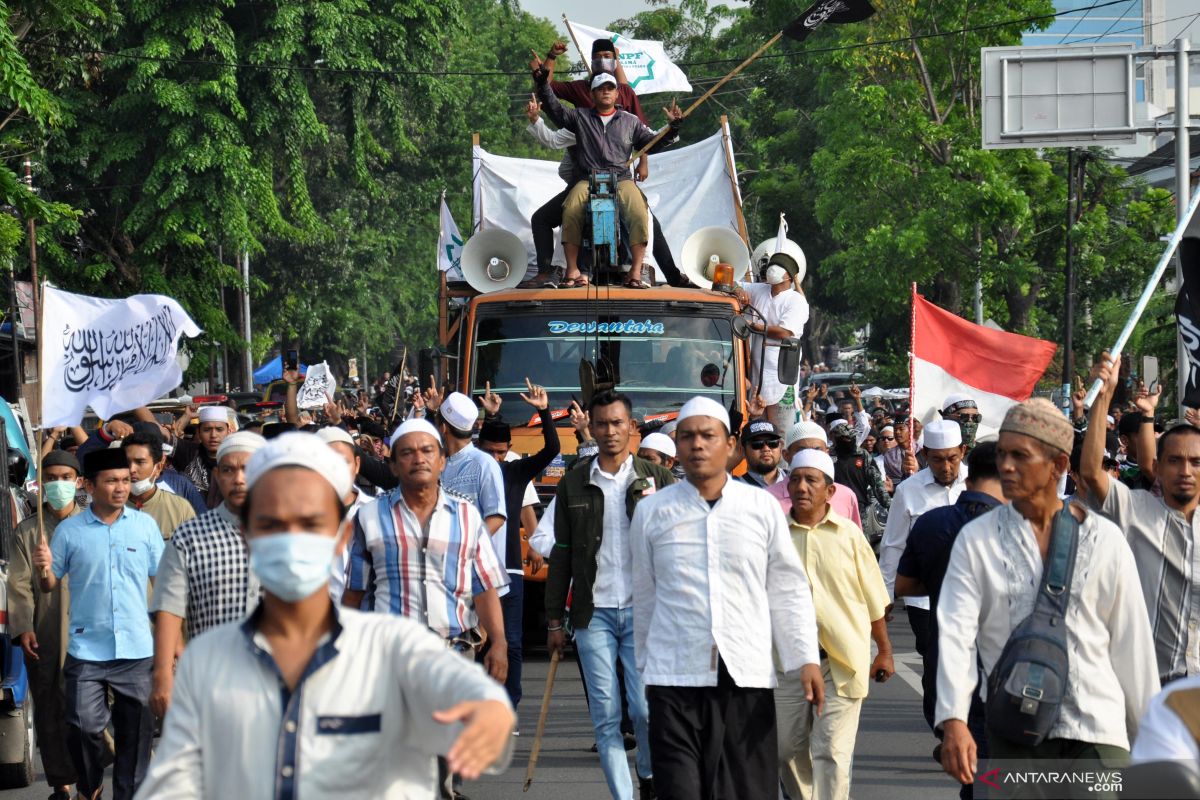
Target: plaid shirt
[[205, 574], [429, 575]]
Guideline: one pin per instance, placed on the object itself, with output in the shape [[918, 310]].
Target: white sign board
[[1066, 96]]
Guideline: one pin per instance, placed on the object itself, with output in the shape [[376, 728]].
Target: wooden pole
[[40, 431], [587, 62], [733, 184], [700, 100], [541, 726]]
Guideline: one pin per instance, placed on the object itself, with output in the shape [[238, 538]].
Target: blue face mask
[[292, 566]]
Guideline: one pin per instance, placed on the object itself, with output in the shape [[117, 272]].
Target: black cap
[[495, 431], [98, 461], [760, 428], [61, 458]]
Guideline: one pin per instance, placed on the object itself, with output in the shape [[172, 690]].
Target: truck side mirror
[[788, 371]]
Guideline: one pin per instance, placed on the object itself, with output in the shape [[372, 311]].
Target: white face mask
[[139, 488], [775, 275]]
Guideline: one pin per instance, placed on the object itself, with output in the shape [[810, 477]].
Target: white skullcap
[[240, 442], [955, 399], [333, 433], [887, 428], [660, 442], [294, 449], [1110, 419], [837, 423], [813, 459], [415, 426], [459, 411], [803, 430], [704, 407], [942, 434], [214, 414], [669, 428]]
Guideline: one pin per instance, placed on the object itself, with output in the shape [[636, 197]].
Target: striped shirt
[[428, 573], [1164, 547]]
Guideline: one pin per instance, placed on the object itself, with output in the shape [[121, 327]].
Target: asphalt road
[[891, 760]]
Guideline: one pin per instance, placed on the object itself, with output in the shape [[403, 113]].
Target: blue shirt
[[476, 475], [109, 568]]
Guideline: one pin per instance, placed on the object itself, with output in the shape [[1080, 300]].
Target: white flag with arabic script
[[319, 387], [112, 355]]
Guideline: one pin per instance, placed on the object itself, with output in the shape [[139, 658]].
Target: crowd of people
[[231, 578]]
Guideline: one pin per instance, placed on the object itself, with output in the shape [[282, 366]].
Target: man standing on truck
[[38, 620], [578, 92], [784, 311], [606, 137], [592, 558]]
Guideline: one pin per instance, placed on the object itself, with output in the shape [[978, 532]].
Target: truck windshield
[[659, 360]]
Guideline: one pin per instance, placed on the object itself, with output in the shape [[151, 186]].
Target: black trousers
[[87, 687], [549, 217], [713, 742], [918, 620]]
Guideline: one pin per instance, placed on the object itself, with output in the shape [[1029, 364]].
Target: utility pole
[[1069, 290], [248, 355], [1183, 192]]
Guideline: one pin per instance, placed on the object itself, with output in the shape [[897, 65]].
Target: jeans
[[607, 638], [512, 606]]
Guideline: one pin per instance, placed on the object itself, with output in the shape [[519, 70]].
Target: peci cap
[[98, 461], [942, 434], [294, 449], [813, 459], [414, 426], [459, 411], [704, 407], [660, 442]]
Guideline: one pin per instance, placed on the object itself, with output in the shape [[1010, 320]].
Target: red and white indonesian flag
[[951, 355]]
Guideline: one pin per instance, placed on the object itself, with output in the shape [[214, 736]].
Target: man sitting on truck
[[606, 138]]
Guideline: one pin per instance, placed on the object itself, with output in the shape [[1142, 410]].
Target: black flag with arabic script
[[1187, 314], [835, 11]]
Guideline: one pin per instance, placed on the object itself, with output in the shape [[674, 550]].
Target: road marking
[[905, 673]]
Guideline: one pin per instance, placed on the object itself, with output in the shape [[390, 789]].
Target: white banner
[[113, 355], [689, 188], [645, 62], [450, 244], [318, 389]]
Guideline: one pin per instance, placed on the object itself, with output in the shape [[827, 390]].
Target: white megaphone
[[714, 242], [770, 250], [493, 260]]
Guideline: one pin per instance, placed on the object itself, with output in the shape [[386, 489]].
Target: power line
[[1081, 19], [314, 69]]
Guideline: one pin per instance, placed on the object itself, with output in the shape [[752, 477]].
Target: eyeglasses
[[887, 438], [970, 418], [759, 444]]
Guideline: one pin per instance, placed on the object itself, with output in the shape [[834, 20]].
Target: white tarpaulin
[[644, 61], [689, 188], [113, 355], [318, 389]]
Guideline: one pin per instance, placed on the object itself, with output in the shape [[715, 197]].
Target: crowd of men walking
[[303, 610]]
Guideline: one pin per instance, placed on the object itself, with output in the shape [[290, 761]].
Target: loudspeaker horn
[[764, 252], [715, 240], [493, 260]]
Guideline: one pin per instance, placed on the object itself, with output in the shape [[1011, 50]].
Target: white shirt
[[230, 735], [542, 538], [990, 587], [341, 561], [788, 309], [717, 582], [1162, 735], [613, 587], [914, 496]]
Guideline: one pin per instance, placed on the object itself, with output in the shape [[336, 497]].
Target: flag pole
[[1147, 294], [711, 90], [587, 63], [912, 375], [41, 380]]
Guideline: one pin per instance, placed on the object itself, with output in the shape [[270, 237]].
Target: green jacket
[[578, 529]]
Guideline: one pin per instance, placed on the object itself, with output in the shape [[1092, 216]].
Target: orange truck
[[661, 347]]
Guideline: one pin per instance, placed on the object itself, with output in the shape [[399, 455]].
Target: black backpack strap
[[1053, 595]]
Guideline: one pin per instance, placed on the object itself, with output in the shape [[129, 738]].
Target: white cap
[[333, 433], [813, 459], [704, 407], [214, 414], [603, 78], [459, 411], [240, 442], [942, 434], [415, 426], [837, 423], [956, 398], [660, 442], [887, 428], [669, 428], [804, 430], [294, 449], [1110, 419]]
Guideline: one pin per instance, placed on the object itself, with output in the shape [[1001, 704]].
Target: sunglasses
[[970, 417], [887, 438], [759, 444]]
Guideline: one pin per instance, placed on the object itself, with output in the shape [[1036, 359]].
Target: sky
[[586, 11]]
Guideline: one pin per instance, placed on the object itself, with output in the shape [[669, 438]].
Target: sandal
[[631, 283], [581, 282]]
